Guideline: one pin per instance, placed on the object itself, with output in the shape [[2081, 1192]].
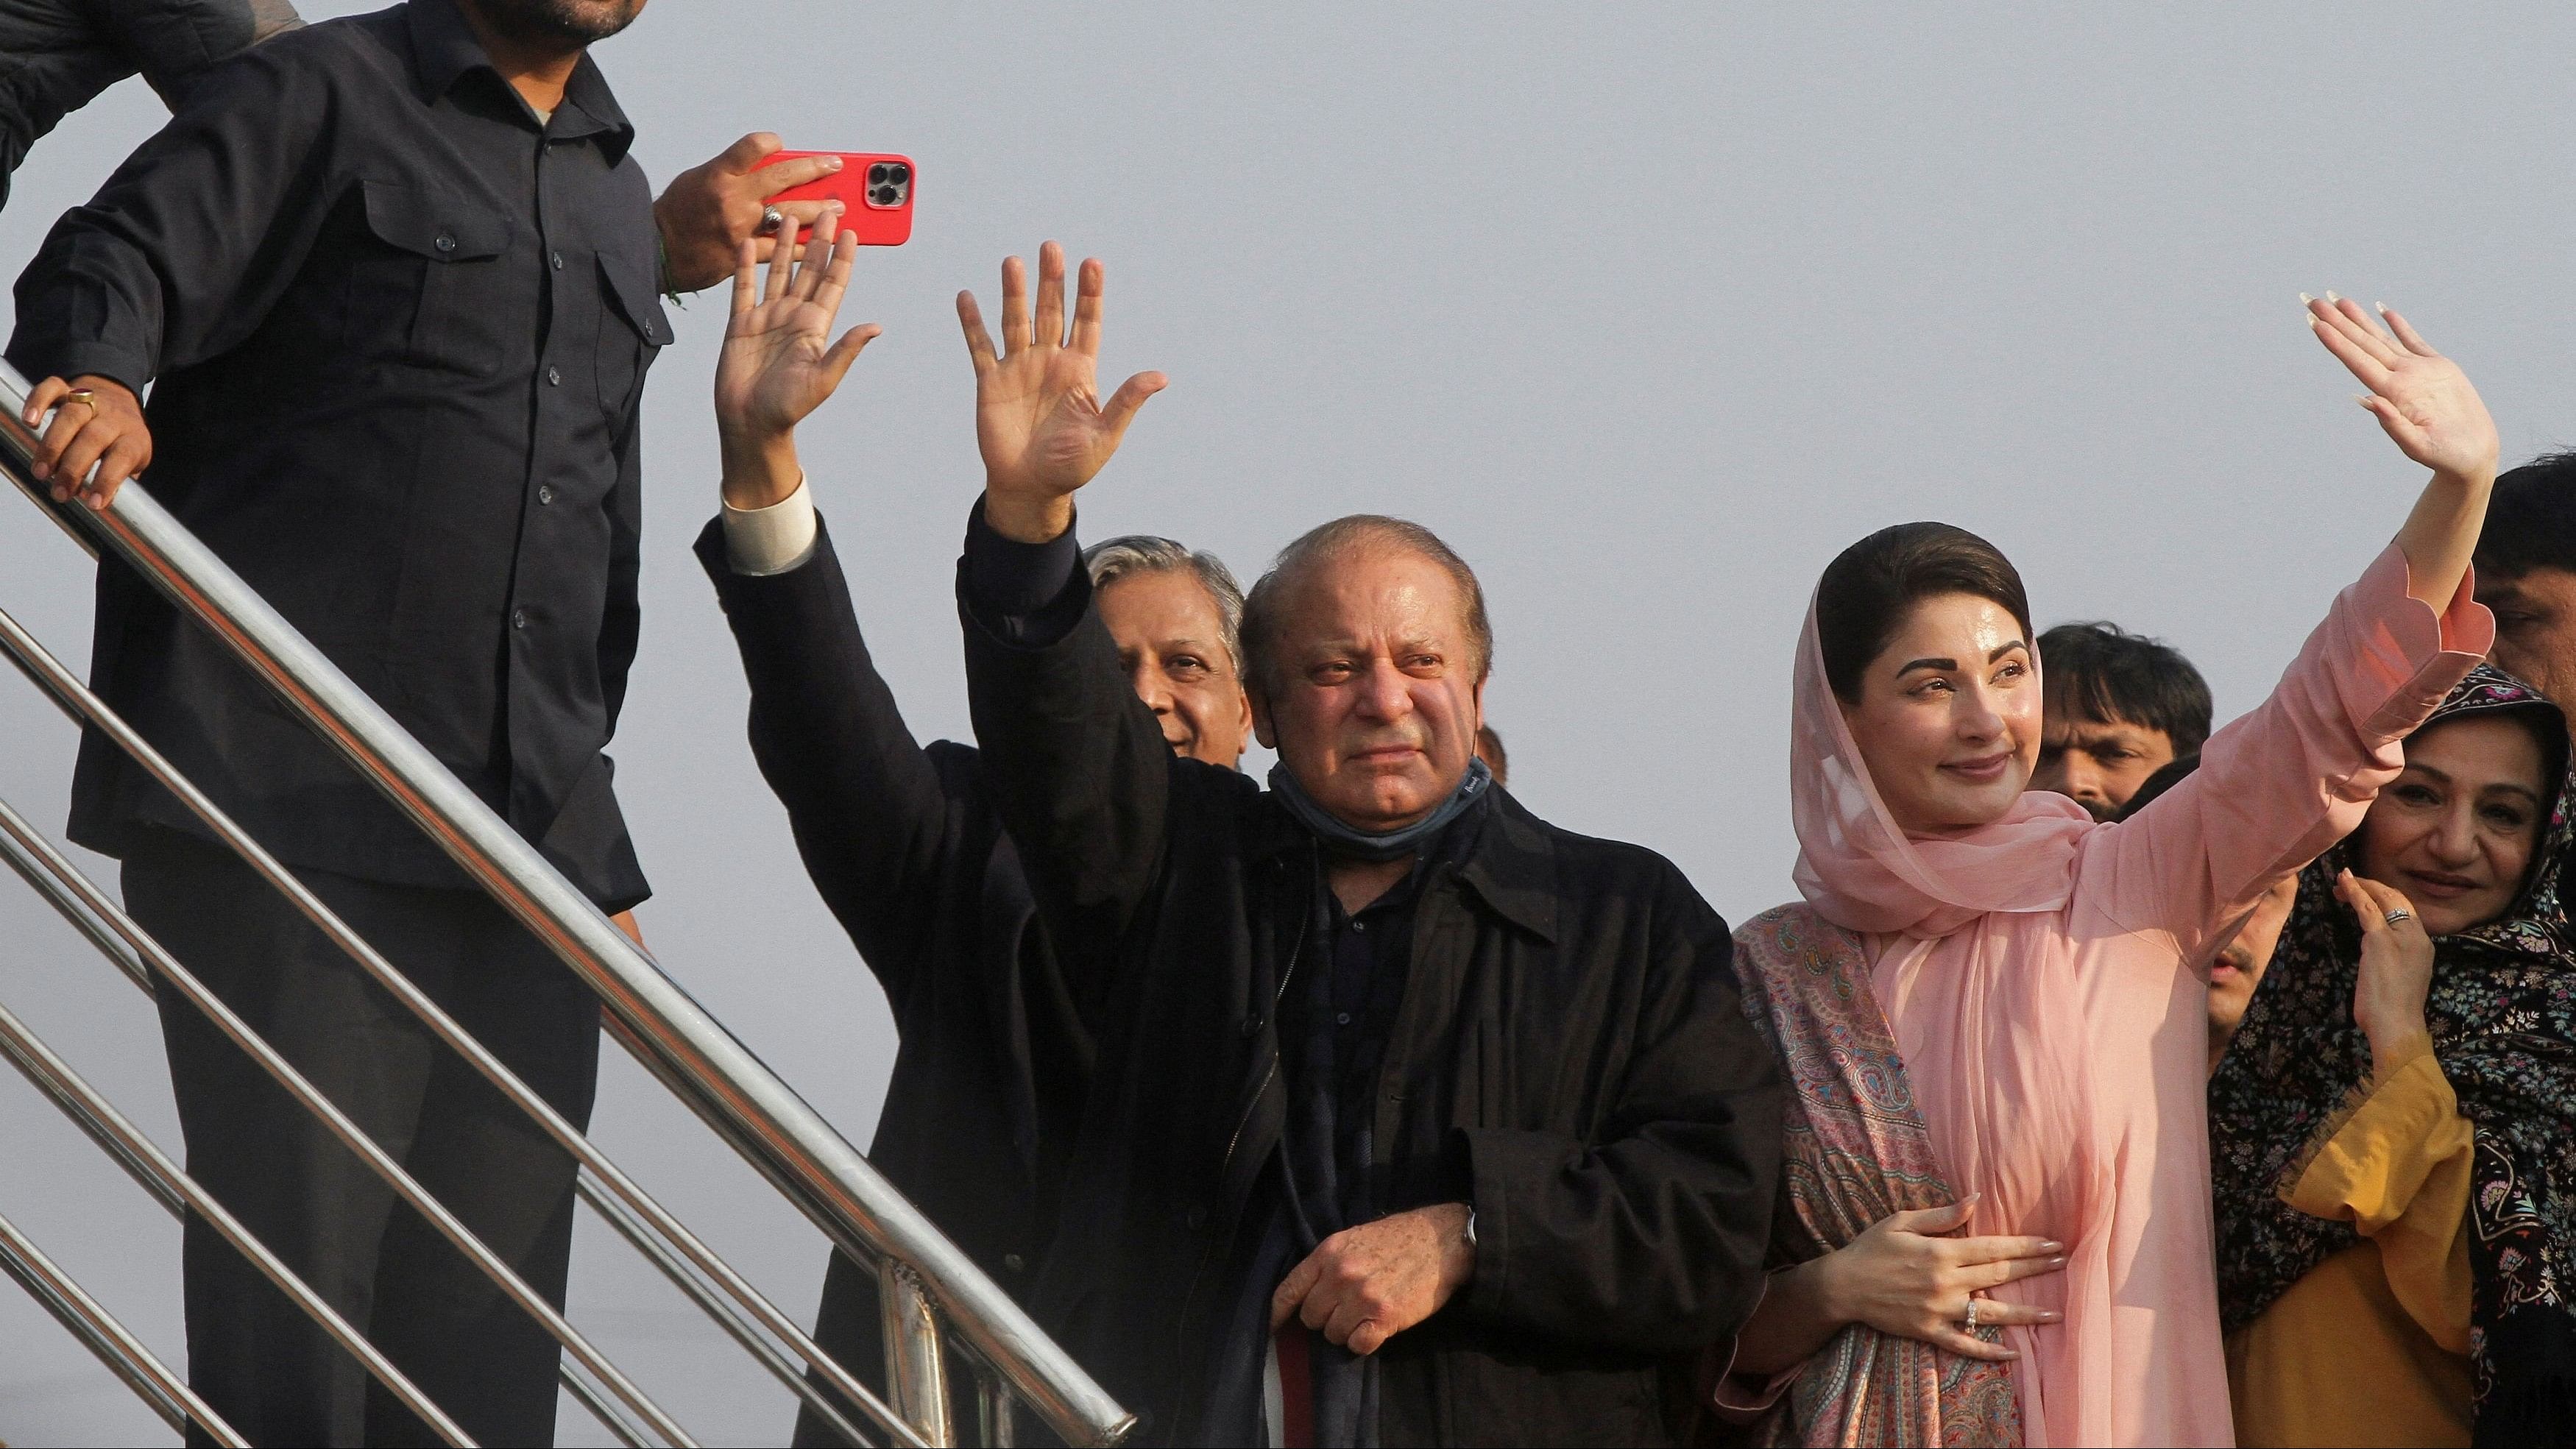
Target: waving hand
[[2425, 404], [779, 360], [1039, 420]]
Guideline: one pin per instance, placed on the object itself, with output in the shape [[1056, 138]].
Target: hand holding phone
[[876, 189]]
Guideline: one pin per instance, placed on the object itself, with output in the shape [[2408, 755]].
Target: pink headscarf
[[1858, 868], [1979, 992]]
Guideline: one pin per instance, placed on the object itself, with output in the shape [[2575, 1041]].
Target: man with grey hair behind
[[901, 838], [1415, 1119]]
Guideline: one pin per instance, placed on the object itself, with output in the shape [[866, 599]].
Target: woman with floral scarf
[[2395, 1185]]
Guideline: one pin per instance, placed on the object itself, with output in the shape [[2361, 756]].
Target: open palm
[[1039, 420], [779, 362], [2421, 398]]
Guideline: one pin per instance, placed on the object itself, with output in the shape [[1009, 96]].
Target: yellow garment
[[2371, 1347]]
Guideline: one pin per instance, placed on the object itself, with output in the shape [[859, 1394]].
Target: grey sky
[[1648, 310]]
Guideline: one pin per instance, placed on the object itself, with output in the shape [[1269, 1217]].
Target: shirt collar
[[443, 48], [1510, 865]]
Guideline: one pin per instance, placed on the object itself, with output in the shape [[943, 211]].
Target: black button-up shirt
[[399, 326]]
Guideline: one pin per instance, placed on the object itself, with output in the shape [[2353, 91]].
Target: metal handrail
[[609, 1191], [719, 1078], [123, 1353]]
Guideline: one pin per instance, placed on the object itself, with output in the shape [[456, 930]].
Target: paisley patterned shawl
[[1856, 1150], [2503, 1016]]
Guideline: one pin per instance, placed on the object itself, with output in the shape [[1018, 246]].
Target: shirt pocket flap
[[429, 224], [633, 294]]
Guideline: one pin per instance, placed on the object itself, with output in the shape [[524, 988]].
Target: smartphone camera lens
[[877, 174], [885, 196], [898, 173]]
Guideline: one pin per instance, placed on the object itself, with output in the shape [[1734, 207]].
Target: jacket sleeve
[[2398, 1169], [1079, 770], [1651, 1235], [870, 816], [192, 240], [2296, 774]]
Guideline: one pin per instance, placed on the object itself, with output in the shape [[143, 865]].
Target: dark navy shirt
[[397, 327]]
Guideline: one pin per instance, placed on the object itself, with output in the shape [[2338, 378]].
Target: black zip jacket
[[1569, 1023], [903, 844]]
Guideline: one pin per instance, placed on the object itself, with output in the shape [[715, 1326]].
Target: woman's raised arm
[[2428, 409]]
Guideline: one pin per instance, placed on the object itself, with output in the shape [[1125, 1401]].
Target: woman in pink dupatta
[[2007, 998]]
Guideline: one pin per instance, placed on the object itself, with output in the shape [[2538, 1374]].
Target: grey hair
[[1346, 535], [1143, 553]]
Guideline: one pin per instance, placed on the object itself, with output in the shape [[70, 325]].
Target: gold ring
[[84, 396]]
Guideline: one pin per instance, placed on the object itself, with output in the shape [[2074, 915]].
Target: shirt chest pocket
[[428, 291], [631, 326]]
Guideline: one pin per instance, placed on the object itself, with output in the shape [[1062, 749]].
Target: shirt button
[[1196, 1219], [1341, 1018], [554, 377], [1250, 1027], [1014, 1262], [545, 493], [518, 618], [445, 243], [1359, 925], [557, 258]]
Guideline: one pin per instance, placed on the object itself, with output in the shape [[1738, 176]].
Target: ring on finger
[[2399, 914], [771, 219], [84, 396], [1971, 1319]]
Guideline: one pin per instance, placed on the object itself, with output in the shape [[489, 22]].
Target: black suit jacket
[[903, 843]]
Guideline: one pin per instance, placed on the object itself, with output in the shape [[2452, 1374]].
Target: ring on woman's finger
[[771, 219], [1971, 1319], [2399, 914]]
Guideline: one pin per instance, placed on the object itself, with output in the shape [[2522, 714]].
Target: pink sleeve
[[2277, 787], [1743, 1398]]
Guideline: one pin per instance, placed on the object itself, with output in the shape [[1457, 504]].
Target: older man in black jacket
[[393, 279], [55, 55], [902, 839], [1416, 1119]]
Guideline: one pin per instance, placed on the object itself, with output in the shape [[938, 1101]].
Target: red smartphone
[[876, 189]]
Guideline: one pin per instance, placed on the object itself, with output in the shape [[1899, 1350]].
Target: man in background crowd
[[392, 280], [2527, 574], [2119, 706], [57, 55], [902, 840]]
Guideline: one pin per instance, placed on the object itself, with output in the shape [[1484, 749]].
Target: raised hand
[[779, 362], [2420, 397], [1039, 421]]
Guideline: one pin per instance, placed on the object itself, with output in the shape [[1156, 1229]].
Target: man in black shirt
[[395, 280]]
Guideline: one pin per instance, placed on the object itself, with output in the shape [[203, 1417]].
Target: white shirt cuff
[[772, 540]]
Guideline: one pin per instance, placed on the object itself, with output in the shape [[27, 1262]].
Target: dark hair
[[1329, 541], [1862, 599], [1489, 745], [2103, 673], [2169, 774], [2531, 519]]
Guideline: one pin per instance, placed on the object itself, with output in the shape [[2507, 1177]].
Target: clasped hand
[[1903, 1277], [1364, 1285]]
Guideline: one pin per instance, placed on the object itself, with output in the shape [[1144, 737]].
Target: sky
[[1648, 309]]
